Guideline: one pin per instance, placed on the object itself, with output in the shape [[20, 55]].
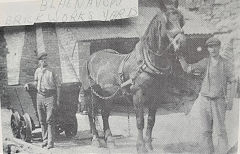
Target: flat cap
[[213, 41], [42, 54]]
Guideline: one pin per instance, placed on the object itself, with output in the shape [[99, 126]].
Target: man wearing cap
[[214, 97], [45, 82]]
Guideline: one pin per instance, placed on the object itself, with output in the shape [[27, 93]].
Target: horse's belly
[[104, 69]]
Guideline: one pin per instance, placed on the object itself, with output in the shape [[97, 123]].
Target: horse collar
[[149, 67]]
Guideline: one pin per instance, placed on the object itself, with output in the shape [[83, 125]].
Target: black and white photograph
[[119, 76]]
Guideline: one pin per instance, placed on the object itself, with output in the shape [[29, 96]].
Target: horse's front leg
[[150, 123], [138, 101]]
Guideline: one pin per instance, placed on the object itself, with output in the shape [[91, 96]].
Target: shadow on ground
[[182, 147]]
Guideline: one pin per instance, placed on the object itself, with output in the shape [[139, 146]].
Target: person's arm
[[33, 84], [231, 85], [196, 67], [57, 84], [185, 66]]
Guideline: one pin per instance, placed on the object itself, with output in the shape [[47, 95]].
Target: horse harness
[[145, 66]]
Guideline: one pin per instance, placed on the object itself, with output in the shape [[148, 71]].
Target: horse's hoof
[[110, 142], [96, 143], [148, 143], [141, 149], [149, 146]]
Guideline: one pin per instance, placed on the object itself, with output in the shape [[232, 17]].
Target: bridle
[[147, 60], [168, 47]]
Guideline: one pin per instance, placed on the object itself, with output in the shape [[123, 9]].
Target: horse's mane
[[151, 37], [155, 31]]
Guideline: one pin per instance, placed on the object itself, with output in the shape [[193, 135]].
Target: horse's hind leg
[[138, 101], [92, 119], [150, 123], [106, 109]]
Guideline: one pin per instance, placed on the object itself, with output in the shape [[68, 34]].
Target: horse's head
[[174, 24], [165, 30]]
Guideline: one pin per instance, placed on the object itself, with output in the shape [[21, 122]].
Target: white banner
[[28, 12]]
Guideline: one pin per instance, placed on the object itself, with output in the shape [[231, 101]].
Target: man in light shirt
[[46, 83], [215, 96]]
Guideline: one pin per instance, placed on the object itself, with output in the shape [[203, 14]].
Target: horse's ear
[[175, 3], [162, 5]]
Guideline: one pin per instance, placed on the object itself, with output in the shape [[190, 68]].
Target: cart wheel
[[15, 124], [26, 128], [71, 129]]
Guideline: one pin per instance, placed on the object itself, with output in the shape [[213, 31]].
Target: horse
[[110, 74]]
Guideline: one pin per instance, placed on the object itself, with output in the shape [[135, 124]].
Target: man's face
[[43, 61], [214, 50]]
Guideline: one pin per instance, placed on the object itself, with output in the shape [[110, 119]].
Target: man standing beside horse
[[214, 97], [45, 82]]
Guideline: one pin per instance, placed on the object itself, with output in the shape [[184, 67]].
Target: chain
[[129, 123], [96, 121], [104, 97]]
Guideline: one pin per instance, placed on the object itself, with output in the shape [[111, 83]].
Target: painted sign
[[28, 12]]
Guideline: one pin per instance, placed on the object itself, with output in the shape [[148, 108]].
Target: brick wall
[[69, 54], [14, 37], [3, 62], [46, 41], [28, 62], [52, 48]]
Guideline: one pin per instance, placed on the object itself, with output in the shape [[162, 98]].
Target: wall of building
[[28, 60], [3, 62]]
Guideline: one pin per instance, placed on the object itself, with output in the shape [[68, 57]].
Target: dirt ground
[[173, 133]]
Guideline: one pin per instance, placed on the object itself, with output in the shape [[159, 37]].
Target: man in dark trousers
[[46, 83], [215, 96]]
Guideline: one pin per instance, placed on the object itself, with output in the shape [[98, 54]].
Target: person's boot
[[44, 144], [50, 145], [206, 143], [44, 135], [50, 136]]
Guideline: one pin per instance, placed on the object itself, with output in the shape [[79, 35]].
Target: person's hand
[[26, 86], [58, 103]]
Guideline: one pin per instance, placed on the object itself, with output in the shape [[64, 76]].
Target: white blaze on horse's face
[[178, 41]]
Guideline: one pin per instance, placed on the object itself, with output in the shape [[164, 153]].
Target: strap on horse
[[124, 83], [151, 68]]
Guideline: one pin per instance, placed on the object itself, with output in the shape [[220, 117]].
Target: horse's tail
[[85, 76], [87, 69]]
